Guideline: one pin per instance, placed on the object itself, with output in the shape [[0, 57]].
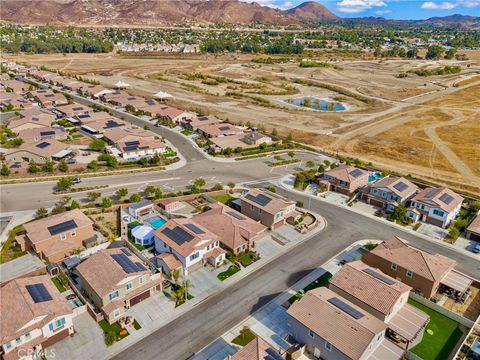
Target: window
[[438, 212], [393, 266], [375, 191], [194, 256], [56, 325], [27, 336], [113, 295], [18, 340], [328, 346], [116, 313], [73, 233], [129, 286], [8, 346], [63, 236], [311, 334], [409, 274], [142, 279], [260, 211]]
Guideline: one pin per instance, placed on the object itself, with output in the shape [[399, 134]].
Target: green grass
[[446, 334], [229, 272], [186, 132], [319, 282], [136, 325], [115, 328], [10, 252], [170, 153], [58, 284], [224, 199], [247, 258], [246, 335], [283, 162]]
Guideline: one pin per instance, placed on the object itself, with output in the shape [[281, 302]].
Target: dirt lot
[[424, 126]]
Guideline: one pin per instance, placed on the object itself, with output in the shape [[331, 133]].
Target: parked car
[[77, 180], [476, 249]]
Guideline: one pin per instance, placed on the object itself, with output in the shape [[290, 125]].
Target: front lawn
[[246, 335], [170, 153], [248, 258], [58, 284], [113, 332], [186, 132], [136, 325], [445, 336], [229, 272], [224, 199]]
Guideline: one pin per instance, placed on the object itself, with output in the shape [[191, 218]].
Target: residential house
[[437, 206], [39, 151], [268, 208], [34, 315], [473, 230], [115, 279], [190, 242], [243, 141], [99, 127], [216, 130], [94, 116], [150, 107], [57, 236], [194, 122], [256, 138], [41, 75], [31, 119], [134, 143], [332, 327], [168, 262], [344, 179], [14, 101], [94, 91], [384, 297], [47, 98], [18, 87], [47, 132], [174, 115], [118, 97], [67, 83], [257, 349], [389, 192], [141, 208], [236, 232], [23, 266], [72, 110], [421, 270]]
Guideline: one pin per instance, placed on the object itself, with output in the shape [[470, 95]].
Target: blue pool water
[[157, 222], [317, 104], [374, 176]]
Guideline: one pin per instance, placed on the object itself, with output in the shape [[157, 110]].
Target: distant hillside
[[313, 11]]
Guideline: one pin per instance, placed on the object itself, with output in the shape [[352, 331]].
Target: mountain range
[[126, 13]]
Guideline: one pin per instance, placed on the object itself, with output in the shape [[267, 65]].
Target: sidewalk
[[286, 183]]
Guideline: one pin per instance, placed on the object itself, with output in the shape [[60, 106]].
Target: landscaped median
[[441, 335]]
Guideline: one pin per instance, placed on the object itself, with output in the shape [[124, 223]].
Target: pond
[[317, 104]]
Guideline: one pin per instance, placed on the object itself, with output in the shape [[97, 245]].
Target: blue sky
[[390, 9]]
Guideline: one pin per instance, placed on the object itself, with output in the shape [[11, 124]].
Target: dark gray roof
[[140, 204]]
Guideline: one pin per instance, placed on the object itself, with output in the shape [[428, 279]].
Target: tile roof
[[233, 228], [214, 130], [431, 266], [40, 148], [344, 173], [195, 242], [348, 335], [103, 273], [17, 307], [257, 349], [118, 134], [394, 184], [442, 198], [475, 225], [367, 288], [277, 203], [170, 260], [37, 231]]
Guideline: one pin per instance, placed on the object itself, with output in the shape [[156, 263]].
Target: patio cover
[[408, 321], [61, 154], [457, 281], [71, 262]]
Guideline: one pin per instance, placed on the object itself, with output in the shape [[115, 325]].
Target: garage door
[[135, 300], [475, 237], [376, 202], [433, 221]]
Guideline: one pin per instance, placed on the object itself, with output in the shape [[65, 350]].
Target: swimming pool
[[156, 221], [374, 176]]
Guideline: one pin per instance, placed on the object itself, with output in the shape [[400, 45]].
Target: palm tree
[[174, 277], [187, 285]]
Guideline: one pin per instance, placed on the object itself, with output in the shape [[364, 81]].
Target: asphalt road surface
[[213, 317]]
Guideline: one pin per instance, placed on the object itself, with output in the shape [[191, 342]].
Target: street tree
[[63, 166], [65, 183], [134, 198], [4, 171], [92, 195]]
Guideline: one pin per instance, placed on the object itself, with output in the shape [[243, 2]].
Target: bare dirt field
[[424, 126]]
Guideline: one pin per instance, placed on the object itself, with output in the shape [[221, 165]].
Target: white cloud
[[469, 3], [382, 12], [430, 5], [356, 6], [286, 5]]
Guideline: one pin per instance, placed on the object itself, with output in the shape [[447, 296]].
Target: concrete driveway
[[154, 309]]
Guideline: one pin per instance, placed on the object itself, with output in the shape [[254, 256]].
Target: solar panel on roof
[[446, 198], [111, 124], [195, 228], [432, 193], [38, 292], [127, 265], [150, 102], [47, 133], [356, 173], [130, 148], [235, 215], [77, 108], [346, 308], [379, 276], [203, 118], [400, 186], [178, 235], [62, 227], [260, 199], [224, 128], [130, 143], [126, 252], [43, 145]]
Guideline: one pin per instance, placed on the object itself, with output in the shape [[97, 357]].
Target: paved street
[[210, 319]]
